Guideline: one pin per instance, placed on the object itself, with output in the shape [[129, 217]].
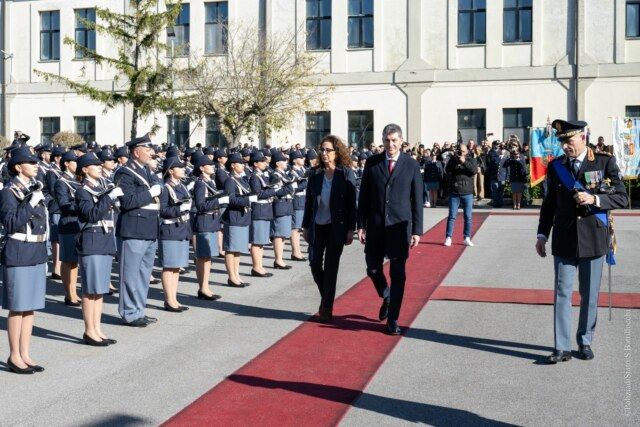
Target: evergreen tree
[[138, 35]]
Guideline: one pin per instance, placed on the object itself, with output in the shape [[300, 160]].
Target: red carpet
[[527, 296], [537, 213], [314, 374]]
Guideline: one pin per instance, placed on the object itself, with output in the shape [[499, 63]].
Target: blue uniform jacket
[[221, 176], [50, 183], [134, 222], [261, 211], [65, 190], [170, 210], [283, 205], [238, 211], [15, 216], [300, 194], [207, 211], [94, 240]]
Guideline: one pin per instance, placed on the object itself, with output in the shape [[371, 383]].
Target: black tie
[[575, 167]]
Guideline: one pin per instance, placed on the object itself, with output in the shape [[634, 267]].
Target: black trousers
[[398, 278], [324, 259]]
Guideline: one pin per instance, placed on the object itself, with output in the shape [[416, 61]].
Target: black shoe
[[167, 307], [138, 323], [68, 302], [585, 352], [149, 319], [384, 309], [295, 258], [154, 280], [14, 368], [90, 341], [281, 267], [36, 368], [392, 327], [256, 274], [55, 276], [325, 314], [558, 356], [110, 341], [184, 308], [212, 297], [236, 285]]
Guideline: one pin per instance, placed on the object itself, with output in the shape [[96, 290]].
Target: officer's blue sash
[[570, 183]]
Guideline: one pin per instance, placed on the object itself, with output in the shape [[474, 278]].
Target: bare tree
[[261, 84]]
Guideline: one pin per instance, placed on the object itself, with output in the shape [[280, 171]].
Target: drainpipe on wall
[[5, 57], [576, 47]]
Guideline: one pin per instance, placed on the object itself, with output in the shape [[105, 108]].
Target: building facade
[[438, 68]]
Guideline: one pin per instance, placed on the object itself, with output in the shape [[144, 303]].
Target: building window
[[516, 121], [215, 27], [472, 21], [179, 41], [516, 23], [471, 124], [318, 24], [318, 126], [633, 18], [85, 37], [213, 135], [49, 126], [360, 23], [360, 129], [50, 35], [86, 128], [632, 111], [178, 130]]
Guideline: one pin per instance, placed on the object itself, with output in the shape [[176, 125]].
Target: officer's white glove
[[185, 207], [115, 193], [36, 197], [253, 199], [1, 186], [155, 190], [223, 200], [190, 186], [294, 185]]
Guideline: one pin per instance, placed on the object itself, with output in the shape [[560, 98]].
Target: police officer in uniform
[[138, 229], [584, 187], [24, 256]]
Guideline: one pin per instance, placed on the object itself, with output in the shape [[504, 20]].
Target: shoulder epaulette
[[603, 153]]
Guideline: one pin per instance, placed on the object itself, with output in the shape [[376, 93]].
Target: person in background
[[497, 173], [53, 174], [299, 175], [478, 184], [432, 176], [516, 171], [461, 171], [261, 213], [282, 209]]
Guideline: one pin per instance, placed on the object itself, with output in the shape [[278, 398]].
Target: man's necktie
[[391, 165], [575, 166]]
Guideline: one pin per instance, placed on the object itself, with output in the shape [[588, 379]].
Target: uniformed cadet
[[220, 157], [96, 244], [299, 175], [583, 188], [236, 219], [175, 231], [207, 199], [138, 230], [51, 178], [282, 209], [261, 213], [311, 160], [68, 227], [23, 255], [122, 157]]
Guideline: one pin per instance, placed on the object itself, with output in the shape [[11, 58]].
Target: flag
[[626, 145], [544, 148]]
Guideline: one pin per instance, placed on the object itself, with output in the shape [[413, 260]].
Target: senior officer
[[583, 187], [137, 227], [390, 219]]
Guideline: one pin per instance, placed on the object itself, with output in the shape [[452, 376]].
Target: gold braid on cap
[[570, 134]]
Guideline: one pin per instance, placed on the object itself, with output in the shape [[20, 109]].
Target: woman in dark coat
[[516, 172], [329, 218]]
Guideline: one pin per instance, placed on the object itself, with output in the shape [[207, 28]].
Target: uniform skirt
[[517, 187], [68, 251], [95, 271], [281, 227], [207, 245], [236, 239], [53, 227], [432, 186], [259, 232], [296, 222], [24, 288], [174, 253]]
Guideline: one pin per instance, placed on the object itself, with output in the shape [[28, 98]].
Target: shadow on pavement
[[402, 409], [117, 420]]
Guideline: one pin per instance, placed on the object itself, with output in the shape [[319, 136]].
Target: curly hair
[[342, 152]]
